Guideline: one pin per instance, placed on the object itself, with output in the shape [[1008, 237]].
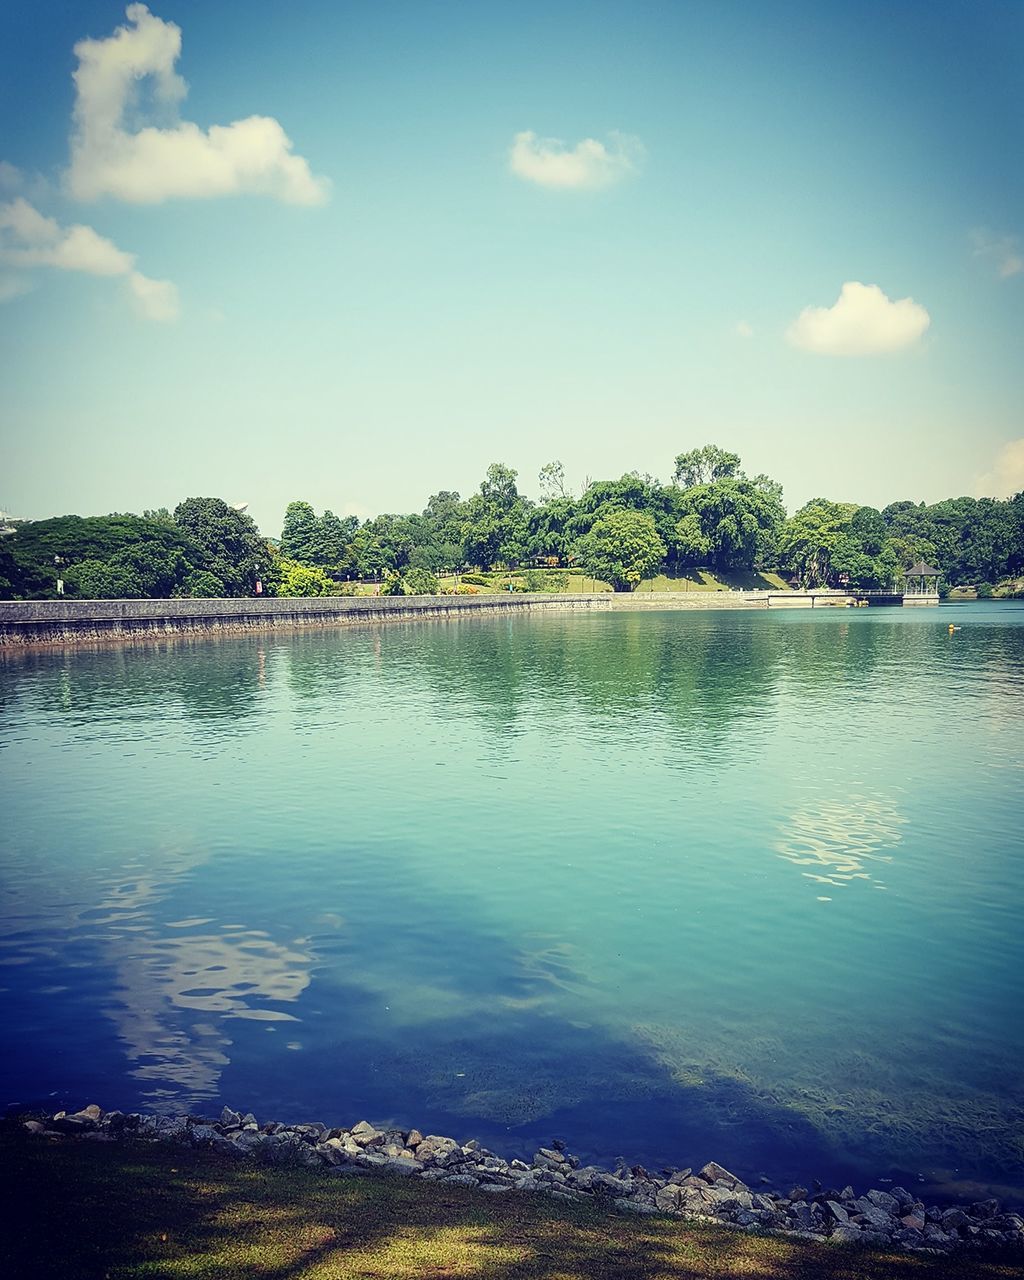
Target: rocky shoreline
[[892, 1218]]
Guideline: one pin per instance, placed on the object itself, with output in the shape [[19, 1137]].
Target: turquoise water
[[672, 886]]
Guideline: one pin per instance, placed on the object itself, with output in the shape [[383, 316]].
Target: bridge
[[847, 599]]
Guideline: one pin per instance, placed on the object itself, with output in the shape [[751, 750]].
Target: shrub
[[421, 582]]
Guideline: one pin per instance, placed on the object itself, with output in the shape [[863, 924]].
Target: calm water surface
[[670, 886]]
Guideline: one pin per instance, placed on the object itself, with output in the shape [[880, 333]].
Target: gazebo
[[921, 583]]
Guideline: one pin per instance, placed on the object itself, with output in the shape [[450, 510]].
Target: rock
[[802, 1214], [984, 1209], [230, 1119], [955, 1220], [33, 1126], [404, 1167], [913, 1221], [606, 1184], [497, 1188], [876, 1218], [670, 1198], [201, 1135], [247, 1140], [901, 1195], [91, 1112], [713, 1172], [883, 1200], [437, 1150], [626, 1205], [838, 1212], [680, 1176], [848, 1234], [461, 1180], [414, 1138], [798, 1193], [64, 1123], [364, 1133]]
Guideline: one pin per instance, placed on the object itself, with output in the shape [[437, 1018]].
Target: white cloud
[[744, 330], [29, 239], [1004, 251], [154, 299], [588, 166], [11, 177], [1007, 475], [151, 164], [863, 321]]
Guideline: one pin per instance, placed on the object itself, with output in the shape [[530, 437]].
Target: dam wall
[[70, 622]]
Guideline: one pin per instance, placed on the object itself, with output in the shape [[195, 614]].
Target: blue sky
[[603, 233]]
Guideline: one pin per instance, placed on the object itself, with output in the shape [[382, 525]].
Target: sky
[[354, 253]]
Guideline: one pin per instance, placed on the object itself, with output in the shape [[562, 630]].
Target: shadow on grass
[[82, 1211]]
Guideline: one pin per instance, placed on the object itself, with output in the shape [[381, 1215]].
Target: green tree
[[621, 548], [420, 582], [705, 466], [230, 546], [299, 532], [727, 523], [101, 580], [294, 579], [551, 479], [809, 539]]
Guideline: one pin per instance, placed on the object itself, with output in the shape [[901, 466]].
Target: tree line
[[710, 515]]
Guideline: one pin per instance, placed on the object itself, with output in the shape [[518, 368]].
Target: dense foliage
[[711, 515]]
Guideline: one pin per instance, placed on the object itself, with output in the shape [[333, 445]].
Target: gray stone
[[414, 1138], [883, 1200], [848, 1234], [230, 1119], [876, 1218], [606, 1184], [201, 1135], [460, 1180], [984, 1209], [437, 1150], [404, 1166], [838, 1212], [955, 1220], [713, 1172], [670, 1198], [497, 1188], [33, 1126], [364, 1133], [625, 1204]]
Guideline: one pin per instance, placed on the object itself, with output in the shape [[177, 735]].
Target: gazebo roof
[[921, 570]]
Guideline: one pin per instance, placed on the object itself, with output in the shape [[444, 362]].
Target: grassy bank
[[82, 1211]]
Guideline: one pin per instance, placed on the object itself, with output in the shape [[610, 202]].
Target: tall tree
[[230, 545], [552, 481], [705, 466], [298, 534], [621, 548]]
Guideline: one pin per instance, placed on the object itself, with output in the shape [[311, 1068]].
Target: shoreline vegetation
[[171, 1195], [711, 527]]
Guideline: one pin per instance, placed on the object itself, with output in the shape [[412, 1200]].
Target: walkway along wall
[[68, 622]]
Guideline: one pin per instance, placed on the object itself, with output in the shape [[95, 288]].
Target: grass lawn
[[83, 1211]]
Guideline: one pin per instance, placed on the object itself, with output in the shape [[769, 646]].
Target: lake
[[673, 886]]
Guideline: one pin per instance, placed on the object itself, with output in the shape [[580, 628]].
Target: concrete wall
[[59, 622], [77, 621]]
